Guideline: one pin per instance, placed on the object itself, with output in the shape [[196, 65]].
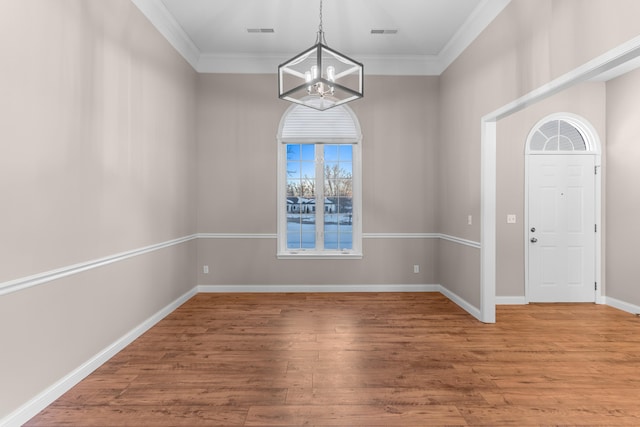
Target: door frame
[[594, 148]]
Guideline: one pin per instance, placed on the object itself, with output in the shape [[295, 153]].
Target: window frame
[[356, 249]]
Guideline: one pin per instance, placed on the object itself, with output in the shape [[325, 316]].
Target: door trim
[[593, 141]]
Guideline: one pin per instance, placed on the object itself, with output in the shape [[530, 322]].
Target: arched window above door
[[562, 133]]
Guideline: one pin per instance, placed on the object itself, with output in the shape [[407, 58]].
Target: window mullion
[[319, 197]]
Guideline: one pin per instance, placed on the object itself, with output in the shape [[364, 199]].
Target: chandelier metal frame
[[320, 77]]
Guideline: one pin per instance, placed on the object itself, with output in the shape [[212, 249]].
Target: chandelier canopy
[[320, 77]]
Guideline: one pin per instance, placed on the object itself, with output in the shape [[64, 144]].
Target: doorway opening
[[562, 211]]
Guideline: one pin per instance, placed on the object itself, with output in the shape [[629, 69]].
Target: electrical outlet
[[205, 269], [416, 268], [511, 219]]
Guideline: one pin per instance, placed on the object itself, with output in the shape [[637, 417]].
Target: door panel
[[561, 234]]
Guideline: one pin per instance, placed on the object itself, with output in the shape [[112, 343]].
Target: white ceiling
[[212, 34]]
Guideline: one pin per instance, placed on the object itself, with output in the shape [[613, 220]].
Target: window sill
[[319, 255]]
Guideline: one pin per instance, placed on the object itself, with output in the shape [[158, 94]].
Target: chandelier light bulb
[[331, 73]]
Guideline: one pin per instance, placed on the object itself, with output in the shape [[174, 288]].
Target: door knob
[[533, 240]]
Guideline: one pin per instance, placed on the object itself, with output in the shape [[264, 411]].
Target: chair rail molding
[[59, 273]]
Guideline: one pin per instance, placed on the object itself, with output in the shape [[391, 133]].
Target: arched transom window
[[562, 133]]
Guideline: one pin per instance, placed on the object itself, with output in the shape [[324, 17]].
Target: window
[[560, 133], [319, 188]]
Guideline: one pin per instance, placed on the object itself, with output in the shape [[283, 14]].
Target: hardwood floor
[[365, 360]]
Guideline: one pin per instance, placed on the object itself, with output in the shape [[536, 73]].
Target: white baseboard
[[315, 288], [613, 302], [475, 312], [49, 395], [622, 305], [513, 300], [466, 306]]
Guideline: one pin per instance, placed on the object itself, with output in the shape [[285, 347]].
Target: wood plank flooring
[[387, 359]]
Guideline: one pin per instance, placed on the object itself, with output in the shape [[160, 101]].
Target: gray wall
[[238, 117], [97, 157], [623, 191], [529, 44]]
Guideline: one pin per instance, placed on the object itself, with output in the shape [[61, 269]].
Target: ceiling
[[214, 37]]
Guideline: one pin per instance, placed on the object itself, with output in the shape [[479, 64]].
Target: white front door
[[561, 228]]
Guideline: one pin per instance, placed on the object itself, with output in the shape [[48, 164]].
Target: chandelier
[[320, 77]]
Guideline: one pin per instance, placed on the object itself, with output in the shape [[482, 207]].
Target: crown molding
[[160, 17], [390, 65], [238, 63], [475, 24], [397, 65]]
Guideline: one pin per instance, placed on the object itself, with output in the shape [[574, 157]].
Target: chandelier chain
[[320, 38], [320, 26]]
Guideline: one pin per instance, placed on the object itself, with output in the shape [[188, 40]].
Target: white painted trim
[[320, 255], [239, 63], [488, 223], [160, 17], [460, 241], [622, 305], [316, 288], [618, 71], [400, 235], [513, 300], [379, 65], [236, 236], [447, 237], [615, 57], [475, 24], [48, 276], [466, 306], [407, 65], [442, 236], [401, 65], [475, 312], [601, 226], [525, 226], [31, 408]]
